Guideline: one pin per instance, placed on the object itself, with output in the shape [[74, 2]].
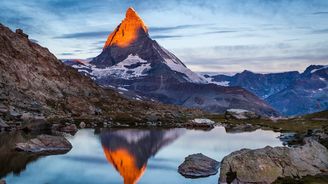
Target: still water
[[144, 156]]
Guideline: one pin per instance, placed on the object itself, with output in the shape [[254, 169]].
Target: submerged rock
[[198, 165], [267, 164], [45, 144], [240, 114]]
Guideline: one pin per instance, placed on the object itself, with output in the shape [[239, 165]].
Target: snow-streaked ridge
[[176, 65], [132, 67]]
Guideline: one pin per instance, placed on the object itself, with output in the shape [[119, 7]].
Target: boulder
[[2, 181], [21, 32], [200, 123], [82, 125], [240, 114], [71, 128], [267, 164], [198, 165], [45, 144]]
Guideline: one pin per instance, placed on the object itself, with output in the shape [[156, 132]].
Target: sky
[[221, 36]]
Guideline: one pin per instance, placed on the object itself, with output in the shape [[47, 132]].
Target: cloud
[[83, 35], [320, 31], [67, 54], [166, 36], [320, 13], [173, 28]]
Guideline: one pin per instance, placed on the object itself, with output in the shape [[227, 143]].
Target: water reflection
[[128, 150], [11, 160]]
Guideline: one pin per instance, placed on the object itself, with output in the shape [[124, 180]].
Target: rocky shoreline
[[199, 165]]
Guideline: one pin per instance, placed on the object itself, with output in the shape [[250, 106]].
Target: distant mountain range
[[137, 66], [291, 93]]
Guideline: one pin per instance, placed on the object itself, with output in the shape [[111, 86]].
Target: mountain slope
[[132, 60], [34, 82], [292, 93]]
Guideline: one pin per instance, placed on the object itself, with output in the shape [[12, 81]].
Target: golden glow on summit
[[127, 32]]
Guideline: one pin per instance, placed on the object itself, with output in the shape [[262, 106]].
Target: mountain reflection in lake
[[145, 156], [129, 150]]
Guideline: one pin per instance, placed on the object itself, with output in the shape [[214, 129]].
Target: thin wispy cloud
[[320, 13], [93, 34]]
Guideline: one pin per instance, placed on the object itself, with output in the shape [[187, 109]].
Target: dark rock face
[[291, 93], [198, 165], [267, 164], [45, 144]]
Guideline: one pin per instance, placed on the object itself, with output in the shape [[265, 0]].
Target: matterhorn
[[139, 68]]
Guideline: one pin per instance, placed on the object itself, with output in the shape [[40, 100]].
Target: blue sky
[[215, 36]]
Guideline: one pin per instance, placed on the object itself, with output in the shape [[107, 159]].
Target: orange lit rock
[[128, 31], [126, 164]]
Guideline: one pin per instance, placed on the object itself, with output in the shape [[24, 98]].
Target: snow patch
[[122, 89], [132, 67]]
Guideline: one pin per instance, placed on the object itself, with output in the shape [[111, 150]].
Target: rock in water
[[240, 114], [2, 181], [46, 144], [267, 164], [198, 165]]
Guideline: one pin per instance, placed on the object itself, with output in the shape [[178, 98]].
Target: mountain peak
[[131, 13], [131, 28]]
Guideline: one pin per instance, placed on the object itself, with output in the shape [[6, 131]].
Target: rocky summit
[[36, 86], [137, 66]]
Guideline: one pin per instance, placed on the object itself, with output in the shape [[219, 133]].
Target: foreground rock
[[198, 165], [45, 144], [2, 182], [267, 164], [240, 114]]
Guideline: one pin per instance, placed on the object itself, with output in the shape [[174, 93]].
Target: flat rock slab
[[198, 165], [46, 144], [267, 164]]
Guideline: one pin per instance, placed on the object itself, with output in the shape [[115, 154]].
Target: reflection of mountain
[[129, 150]]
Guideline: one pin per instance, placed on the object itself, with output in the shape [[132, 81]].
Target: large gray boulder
[[45, 144], [198, 165], [240, 114], [267, 164]]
